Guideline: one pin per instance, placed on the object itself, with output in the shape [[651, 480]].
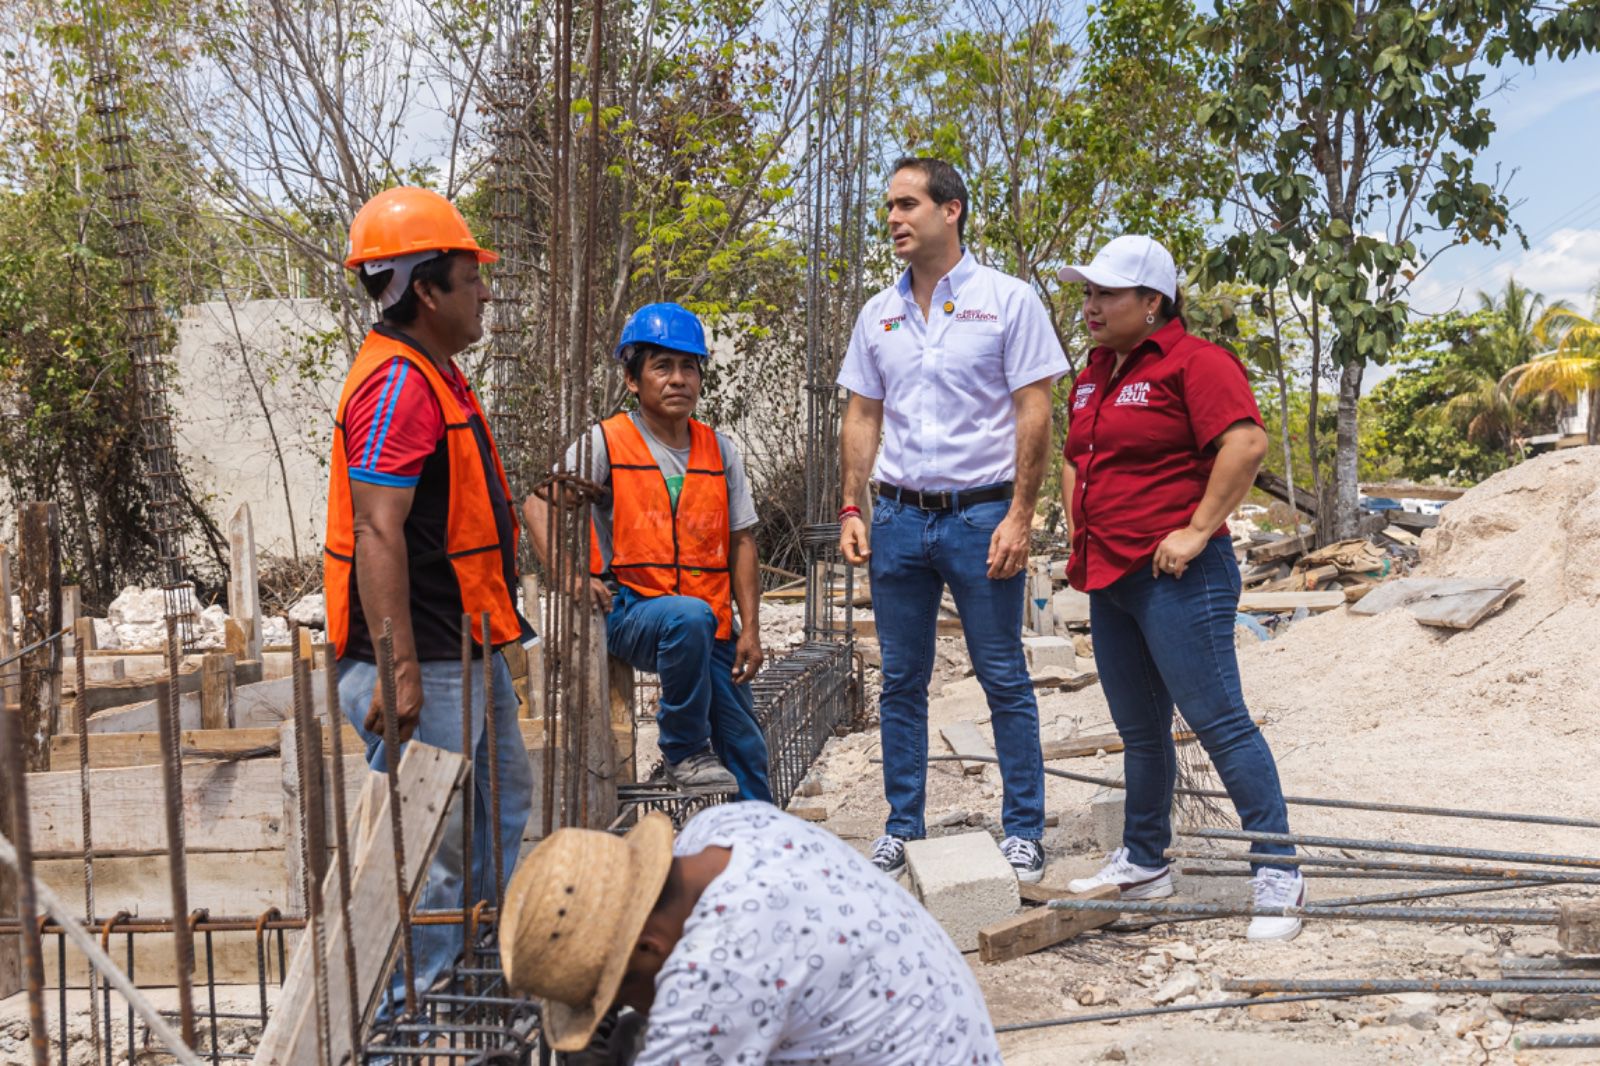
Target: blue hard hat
[[666, 326]]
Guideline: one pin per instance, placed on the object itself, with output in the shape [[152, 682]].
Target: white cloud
[[1565, 265]]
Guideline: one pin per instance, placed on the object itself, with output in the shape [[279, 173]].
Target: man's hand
[[746, 656], [1008, 548], [595, 590], [408, 697], [1177, 550], [853, 540]]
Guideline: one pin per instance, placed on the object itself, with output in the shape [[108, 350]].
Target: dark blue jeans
[[1160, 640], [674, 637], [915, 553]]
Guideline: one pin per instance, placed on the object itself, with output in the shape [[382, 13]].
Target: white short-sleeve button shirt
[[946, 383]]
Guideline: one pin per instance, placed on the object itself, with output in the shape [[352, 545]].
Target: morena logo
[[891, 324]]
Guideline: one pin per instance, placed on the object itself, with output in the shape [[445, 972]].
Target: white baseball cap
[[1127, 262]]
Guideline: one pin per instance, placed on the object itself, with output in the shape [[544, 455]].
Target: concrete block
[[1046, 652], [1105, 812], [964, 882]]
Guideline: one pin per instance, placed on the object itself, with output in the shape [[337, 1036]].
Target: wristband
[[847, 511]]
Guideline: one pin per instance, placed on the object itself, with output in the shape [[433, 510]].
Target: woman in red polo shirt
[[1163, 441]]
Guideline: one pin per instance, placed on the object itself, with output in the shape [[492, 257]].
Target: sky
[[1548, 141]]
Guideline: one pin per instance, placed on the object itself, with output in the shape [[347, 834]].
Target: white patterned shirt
[[801, 951], [949, 420]]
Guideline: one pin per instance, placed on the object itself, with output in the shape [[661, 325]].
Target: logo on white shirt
[[1135, 394], [973, 314], [1081, 395], [891, 324]]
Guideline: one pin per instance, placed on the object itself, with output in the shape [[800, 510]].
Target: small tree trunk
[[1346, 505], [1592, 428], [1283, 412], [1311, 411]]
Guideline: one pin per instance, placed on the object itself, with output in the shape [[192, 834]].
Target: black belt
[[945, 501]]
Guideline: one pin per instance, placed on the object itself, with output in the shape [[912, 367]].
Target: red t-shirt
[[393, 422], [1141, 446]]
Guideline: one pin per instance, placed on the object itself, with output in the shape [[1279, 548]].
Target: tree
[[1061, 148], [1352, 125], [1571, 369]]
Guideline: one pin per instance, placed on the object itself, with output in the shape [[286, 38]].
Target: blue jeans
[[436, 946], [915, 553], [675, 637], [1163, 639]]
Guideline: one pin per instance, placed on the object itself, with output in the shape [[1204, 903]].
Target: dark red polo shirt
[[1141, 445]]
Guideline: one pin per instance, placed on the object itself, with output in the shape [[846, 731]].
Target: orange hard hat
[[406, 220]]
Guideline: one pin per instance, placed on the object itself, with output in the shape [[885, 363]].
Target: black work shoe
[[889, 854]]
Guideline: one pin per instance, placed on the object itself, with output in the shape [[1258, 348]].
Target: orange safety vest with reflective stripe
[[472, 538], [662, 549]]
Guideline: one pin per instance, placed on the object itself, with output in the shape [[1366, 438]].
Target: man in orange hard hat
[[421, 530]]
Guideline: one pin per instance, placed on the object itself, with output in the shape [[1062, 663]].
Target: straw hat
[[573, 912]]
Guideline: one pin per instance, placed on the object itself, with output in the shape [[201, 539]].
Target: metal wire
[[391, 762], [1147, 1012], [169, 728], [1386, 986], [1426, 869], [1558, 1040]]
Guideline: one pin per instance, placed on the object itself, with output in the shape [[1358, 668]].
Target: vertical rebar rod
[[313, 830], [341, 836], [27, 902], [492, 733], [80, 703], [169, 728], [469, 784], [391, 763]]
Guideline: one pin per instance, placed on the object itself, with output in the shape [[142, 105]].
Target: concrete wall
[[222, 425]]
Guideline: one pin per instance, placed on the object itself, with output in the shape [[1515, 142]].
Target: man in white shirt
[[755, 938], [952, 366]]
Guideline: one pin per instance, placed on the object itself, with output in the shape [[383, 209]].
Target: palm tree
[[1569, 369], [1479, 406]]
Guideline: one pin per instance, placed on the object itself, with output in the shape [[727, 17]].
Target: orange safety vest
[[472, 540], [658, 549]]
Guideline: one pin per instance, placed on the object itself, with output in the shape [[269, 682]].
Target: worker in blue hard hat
[[673, 553]]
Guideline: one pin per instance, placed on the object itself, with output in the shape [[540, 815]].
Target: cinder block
[[1049, 652], [964, 882]]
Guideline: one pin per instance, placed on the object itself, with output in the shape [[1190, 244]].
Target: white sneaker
[[1133, 881], [1273, 888]]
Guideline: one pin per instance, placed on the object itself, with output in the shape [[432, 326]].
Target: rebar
[[27, 901], [1426, 869], [341, 834], [1388, 986], [1148, 1012], [1428, 893], [1315, 801], [169, 729], [492, 733], [313, 830], [1444, 915], [1398, 847], [35, 646], [1558, 1040], [391, 763], [469, 785], [80, 703]]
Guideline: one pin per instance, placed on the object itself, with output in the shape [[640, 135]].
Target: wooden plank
[[533, 683], [40, 539], [944, 627], [1040, 928], [1315, 601], [965, 739], [1278, 489], [1416, 523], [268, 703], [1402, 536], [239, 883], [108, 750], [232, 806], [1038, 607], [71, 609], [624, 724], [600, 776], [216, 690], [143, 717], [1094, 743], [1280, 550], [1405, 591], [244, 580], [1462, 610], [124, 694], [427, 777]]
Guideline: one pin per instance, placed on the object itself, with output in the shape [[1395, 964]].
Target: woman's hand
[[1177, 550]]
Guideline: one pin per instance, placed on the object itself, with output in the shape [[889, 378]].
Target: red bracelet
[[846, 512]]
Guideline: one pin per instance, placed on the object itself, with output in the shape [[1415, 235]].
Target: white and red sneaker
[[1133, 881]]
